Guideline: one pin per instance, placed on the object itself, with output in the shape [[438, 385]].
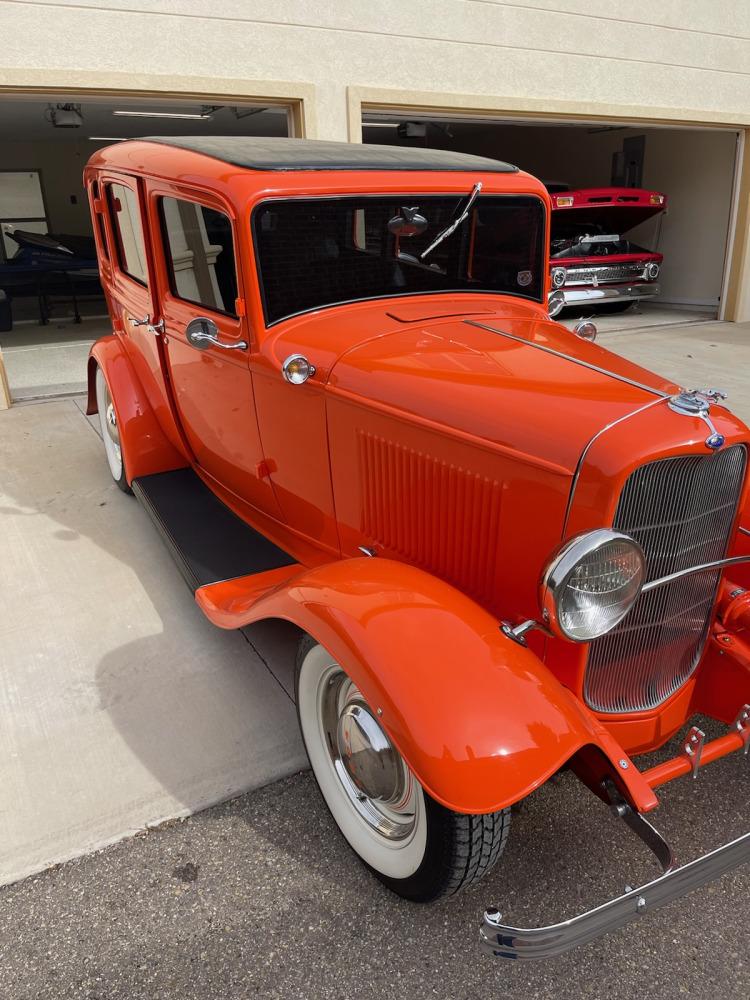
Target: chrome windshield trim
[[700, 568], [569, 357]]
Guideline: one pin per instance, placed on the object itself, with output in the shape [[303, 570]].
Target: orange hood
[[523, 383]]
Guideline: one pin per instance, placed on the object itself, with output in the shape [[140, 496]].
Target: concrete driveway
[[120, 706]]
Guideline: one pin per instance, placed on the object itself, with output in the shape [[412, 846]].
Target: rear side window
[[126, 222], [199, 253], [99, 216]]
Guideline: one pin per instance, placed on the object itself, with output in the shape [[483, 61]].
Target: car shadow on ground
[[199, 708]]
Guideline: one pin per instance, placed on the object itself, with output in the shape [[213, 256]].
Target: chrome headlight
[[559, 274], [652, 270], [591, 584]]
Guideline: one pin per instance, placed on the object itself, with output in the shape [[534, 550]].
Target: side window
[[95, 195], [126, 222], [199, 252]]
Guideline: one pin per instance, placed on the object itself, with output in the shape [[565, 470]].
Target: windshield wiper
[[449, 230]]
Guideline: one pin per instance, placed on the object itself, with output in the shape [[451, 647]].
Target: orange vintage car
[[333, 383]]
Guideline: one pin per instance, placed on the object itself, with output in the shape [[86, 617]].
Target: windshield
[[320, 252]]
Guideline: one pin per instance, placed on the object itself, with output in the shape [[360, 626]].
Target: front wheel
[[415, 846]]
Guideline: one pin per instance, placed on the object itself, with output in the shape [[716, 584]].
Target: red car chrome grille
[[605, 272], [681, 510]]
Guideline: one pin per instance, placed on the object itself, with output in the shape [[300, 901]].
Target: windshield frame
[[404, 195]]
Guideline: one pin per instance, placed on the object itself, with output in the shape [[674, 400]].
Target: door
[[207, 341], [130, 284]]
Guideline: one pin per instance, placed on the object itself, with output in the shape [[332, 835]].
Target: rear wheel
[[110, 431], [415, 846]]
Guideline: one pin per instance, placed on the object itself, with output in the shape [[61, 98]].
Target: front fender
[[145, 447], [479, 718]]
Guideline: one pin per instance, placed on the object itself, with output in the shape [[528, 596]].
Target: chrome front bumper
[[588, 295], [525, 943]]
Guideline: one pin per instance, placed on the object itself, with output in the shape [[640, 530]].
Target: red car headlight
[[591, 583]]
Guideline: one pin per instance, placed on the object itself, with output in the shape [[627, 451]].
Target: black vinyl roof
[[259, 153]]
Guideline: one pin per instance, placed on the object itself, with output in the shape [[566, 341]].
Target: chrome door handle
[[155, 328], [203, 333], [204, 340]]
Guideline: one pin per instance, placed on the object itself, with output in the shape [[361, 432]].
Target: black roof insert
[[261, 153]]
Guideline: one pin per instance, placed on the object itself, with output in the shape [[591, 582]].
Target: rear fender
[[145, 448], [478, 717]]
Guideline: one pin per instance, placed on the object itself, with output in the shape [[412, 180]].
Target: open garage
[[51, 303], [694, 168]]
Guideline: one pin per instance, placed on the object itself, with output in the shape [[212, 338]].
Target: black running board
[[207, 540]]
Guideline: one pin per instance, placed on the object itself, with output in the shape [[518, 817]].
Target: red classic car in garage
[[333, 384], [592, 264]]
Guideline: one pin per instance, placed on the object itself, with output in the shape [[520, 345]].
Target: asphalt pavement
[[260, 897]]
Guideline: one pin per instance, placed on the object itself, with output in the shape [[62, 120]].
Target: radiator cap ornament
[[697, 403]]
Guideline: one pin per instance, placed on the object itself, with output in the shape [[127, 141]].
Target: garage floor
[[49, 360], [120, 706], [640, 316]]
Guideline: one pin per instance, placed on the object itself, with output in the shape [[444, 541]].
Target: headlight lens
[[652, 270], [591, 584]]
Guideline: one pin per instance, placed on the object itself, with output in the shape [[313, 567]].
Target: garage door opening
[[694, 168], [51, 303]]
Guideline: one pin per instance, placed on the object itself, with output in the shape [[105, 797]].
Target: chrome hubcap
[[371, 771], [370, 760], [111, 423]]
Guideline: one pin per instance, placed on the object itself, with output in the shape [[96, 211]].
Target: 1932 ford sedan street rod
[[334, 385]]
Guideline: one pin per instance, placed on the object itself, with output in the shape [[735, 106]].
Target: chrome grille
[[611, 272], [681, 510]]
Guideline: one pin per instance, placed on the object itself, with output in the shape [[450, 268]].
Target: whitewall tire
[[418, 848]]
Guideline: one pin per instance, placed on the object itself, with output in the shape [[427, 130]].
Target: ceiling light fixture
[[162, 114], [64, 115], [380, 124], [107, 138]]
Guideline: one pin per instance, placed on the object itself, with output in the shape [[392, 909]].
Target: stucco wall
[[685, 61]]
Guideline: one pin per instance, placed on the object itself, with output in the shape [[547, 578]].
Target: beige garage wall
[[672, 56], [675, 60]]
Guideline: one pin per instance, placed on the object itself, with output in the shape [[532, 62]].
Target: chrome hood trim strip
[[568, 357]]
